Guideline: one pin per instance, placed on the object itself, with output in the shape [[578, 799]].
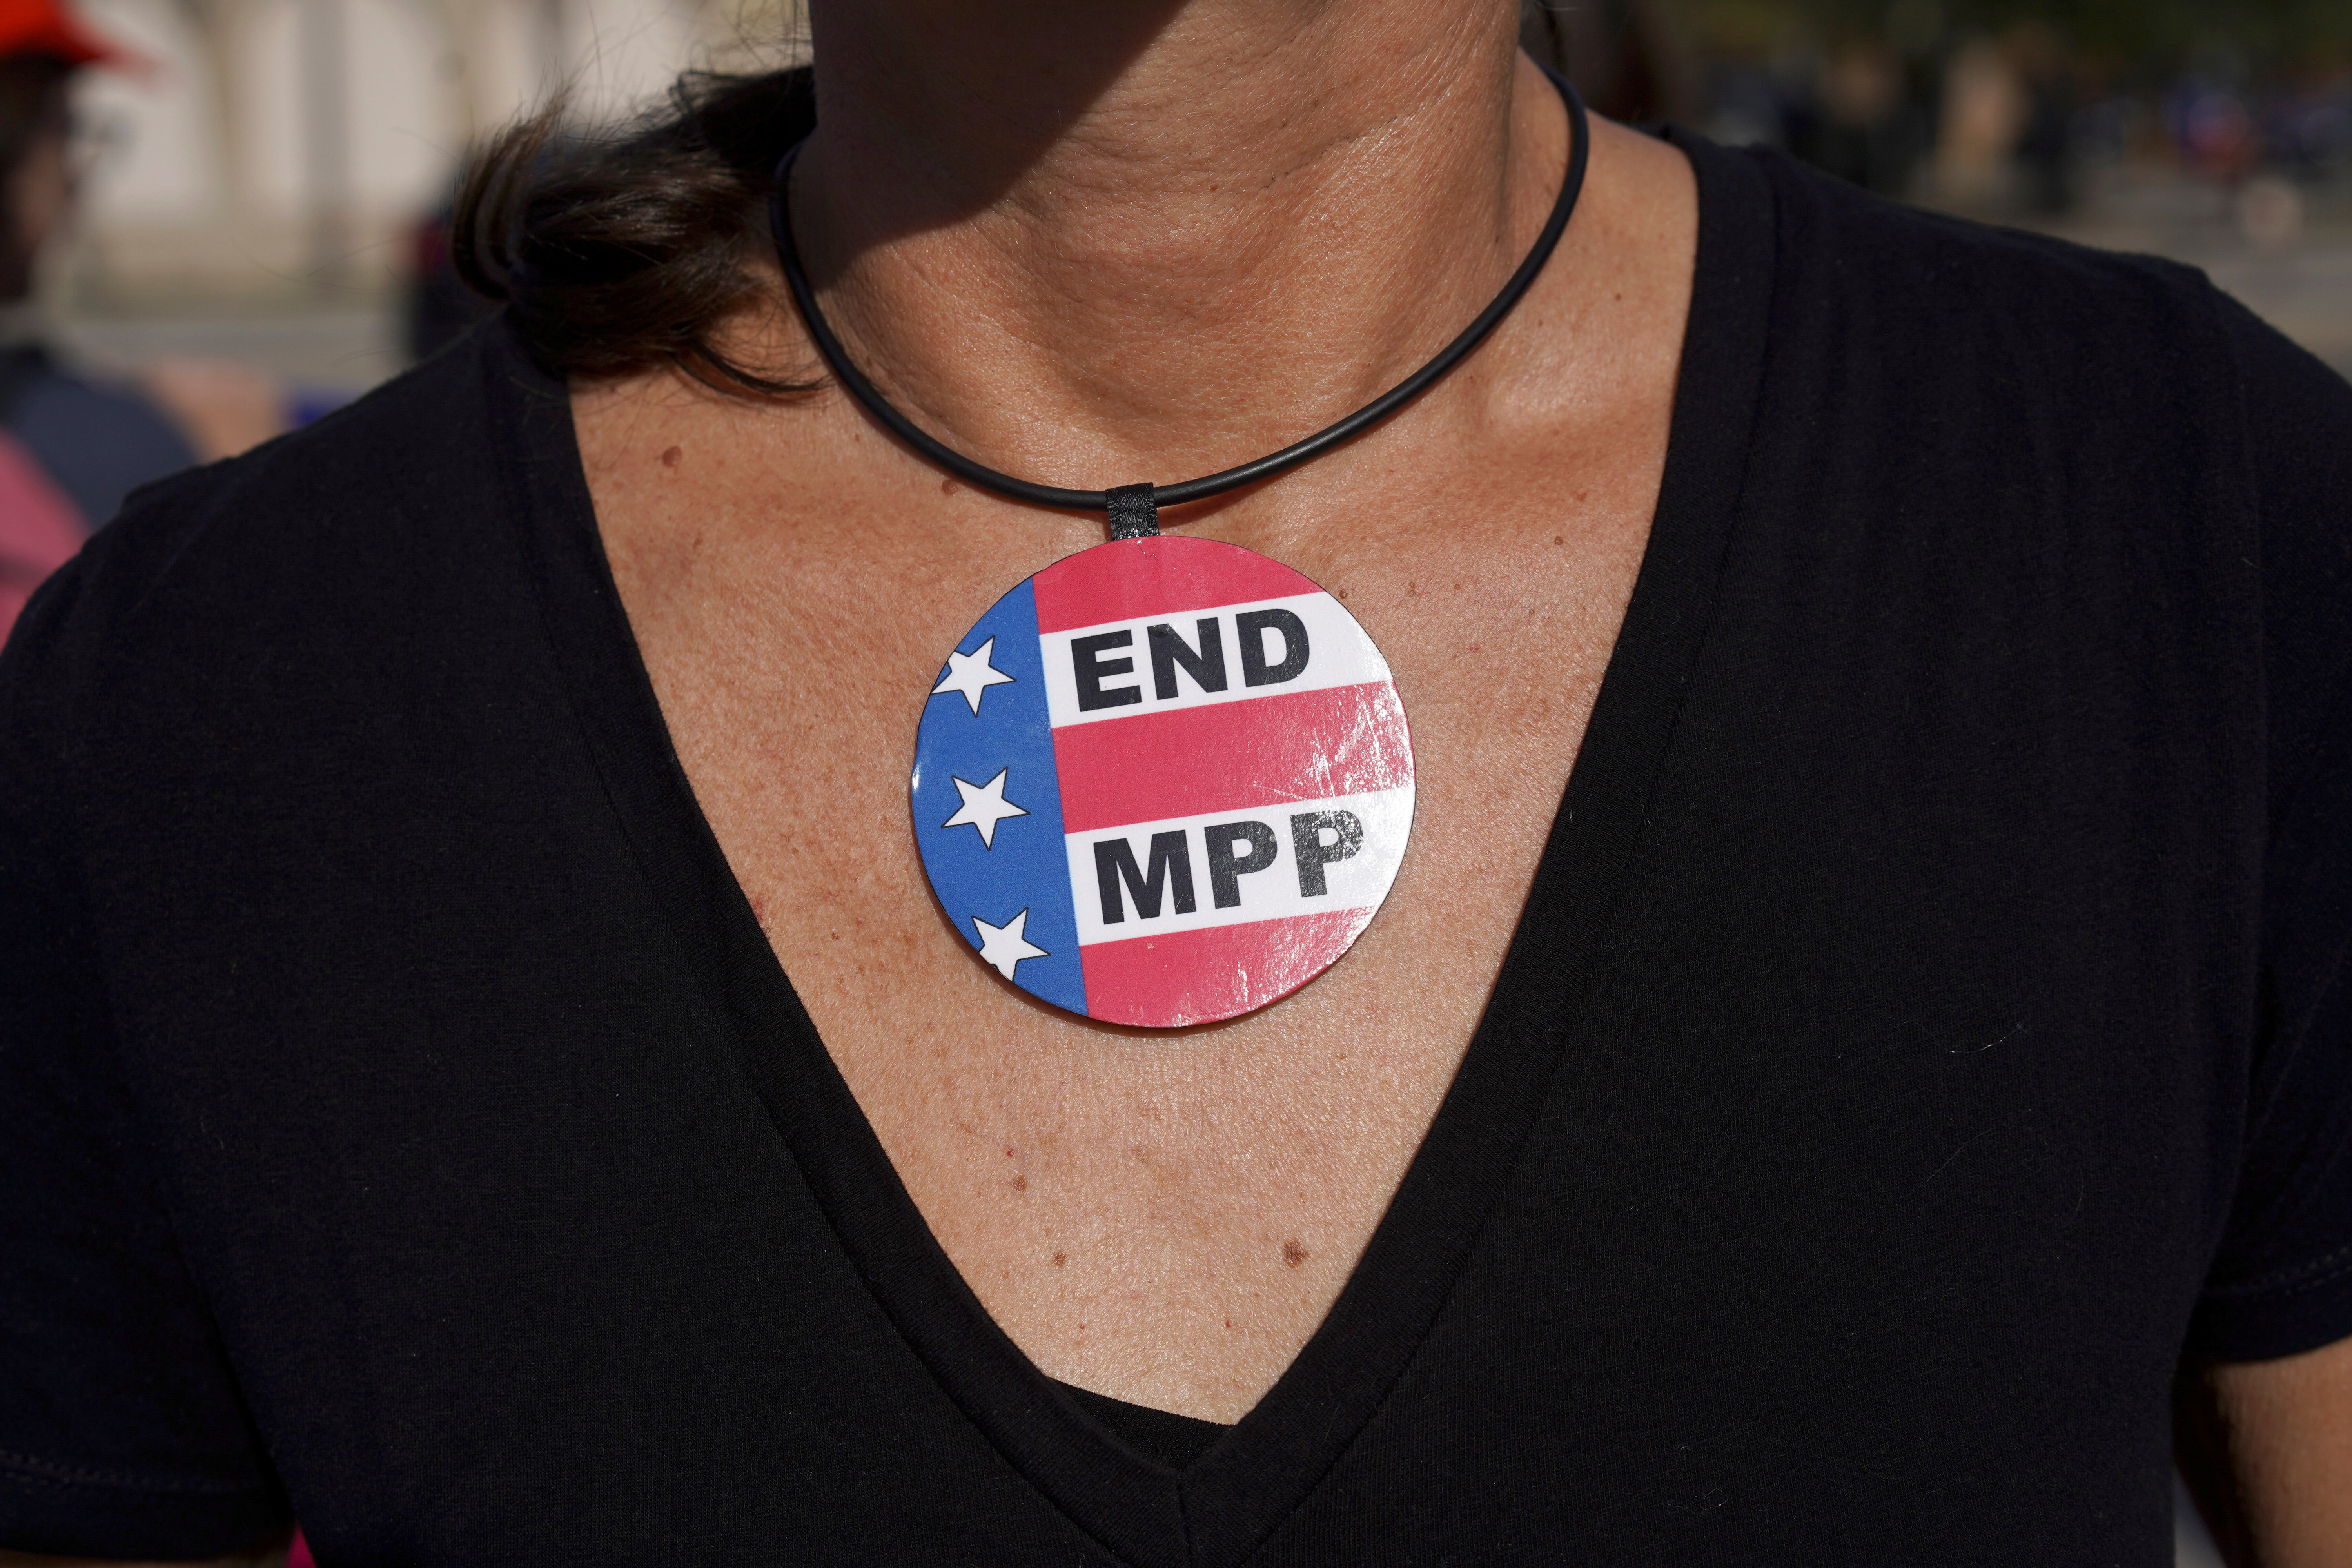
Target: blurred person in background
[[2044, 150], [96, 443], [85, 444]]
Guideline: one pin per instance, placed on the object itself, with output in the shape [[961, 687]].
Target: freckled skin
[[1185, 1206]]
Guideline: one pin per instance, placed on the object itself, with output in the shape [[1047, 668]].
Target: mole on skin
[[1293, 1254]]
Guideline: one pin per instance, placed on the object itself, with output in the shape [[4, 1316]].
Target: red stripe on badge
[[1186, 977], [1165, 575], [1233, 756]]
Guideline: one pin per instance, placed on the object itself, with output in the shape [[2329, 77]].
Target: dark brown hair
[[631, 250]]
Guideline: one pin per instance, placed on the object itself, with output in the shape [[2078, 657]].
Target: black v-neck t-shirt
[[1929, 1022]]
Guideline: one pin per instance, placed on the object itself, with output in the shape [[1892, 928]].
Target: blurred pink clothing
[[39, 528]]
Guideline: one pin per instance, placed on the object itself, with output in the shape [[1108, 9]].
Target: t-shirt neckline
[[1220, 1508]]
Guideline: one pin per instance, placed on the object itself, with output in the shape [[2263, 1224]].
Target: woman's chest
[[1163, 1216], [794, 690]]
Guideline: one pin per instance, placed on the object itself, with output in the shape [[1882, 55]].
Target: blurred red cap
[[46, 27]]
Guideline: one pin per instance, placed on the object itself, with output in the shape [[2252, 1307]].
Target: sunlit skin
[[2281, 1493], [1206, 248], [1098, 243]]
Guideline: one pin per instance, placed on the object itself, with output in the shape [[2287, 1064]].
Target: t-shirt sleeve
[[122, 1432], [2282, 1281]]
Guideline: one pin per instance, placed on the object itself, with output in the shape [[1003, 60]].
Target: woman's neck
[[1094, 242]]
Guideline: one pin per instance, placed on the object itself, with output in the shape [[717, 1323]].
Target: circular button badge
[[1163, 781]]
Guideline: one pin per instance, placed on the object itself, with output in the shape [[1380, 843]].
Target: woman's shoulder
[[394, 469], [2017, 389], [370, 522], [1888, 277], [1922, 344]]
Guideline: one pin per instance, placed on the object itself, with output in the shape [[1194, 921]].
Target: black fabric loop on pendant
[[1134, 512], [836, 358]]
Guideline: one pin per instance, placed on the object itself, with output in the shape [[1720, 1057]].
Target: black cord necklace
[[1133, 508], [1166, 780]]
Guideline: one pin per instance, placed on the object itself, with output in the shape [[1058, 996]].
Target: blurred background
[[2217, 132], [263, 182], [221, 218], [250, 195]]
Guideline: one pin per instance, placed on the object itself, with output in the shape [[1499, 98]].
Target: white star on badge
[[984, 806], [970, 674], [1004, 946]]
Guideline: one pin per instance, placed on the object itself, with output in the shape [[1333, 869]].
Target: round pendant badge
[[1165, 781]]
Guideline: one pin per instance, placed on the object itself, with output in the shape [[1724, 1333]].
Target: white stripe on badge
[[1232, 868], [1122, 668]]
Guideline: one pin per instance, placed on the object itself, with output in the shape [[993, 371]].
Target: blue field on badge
[[1021, 863]]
